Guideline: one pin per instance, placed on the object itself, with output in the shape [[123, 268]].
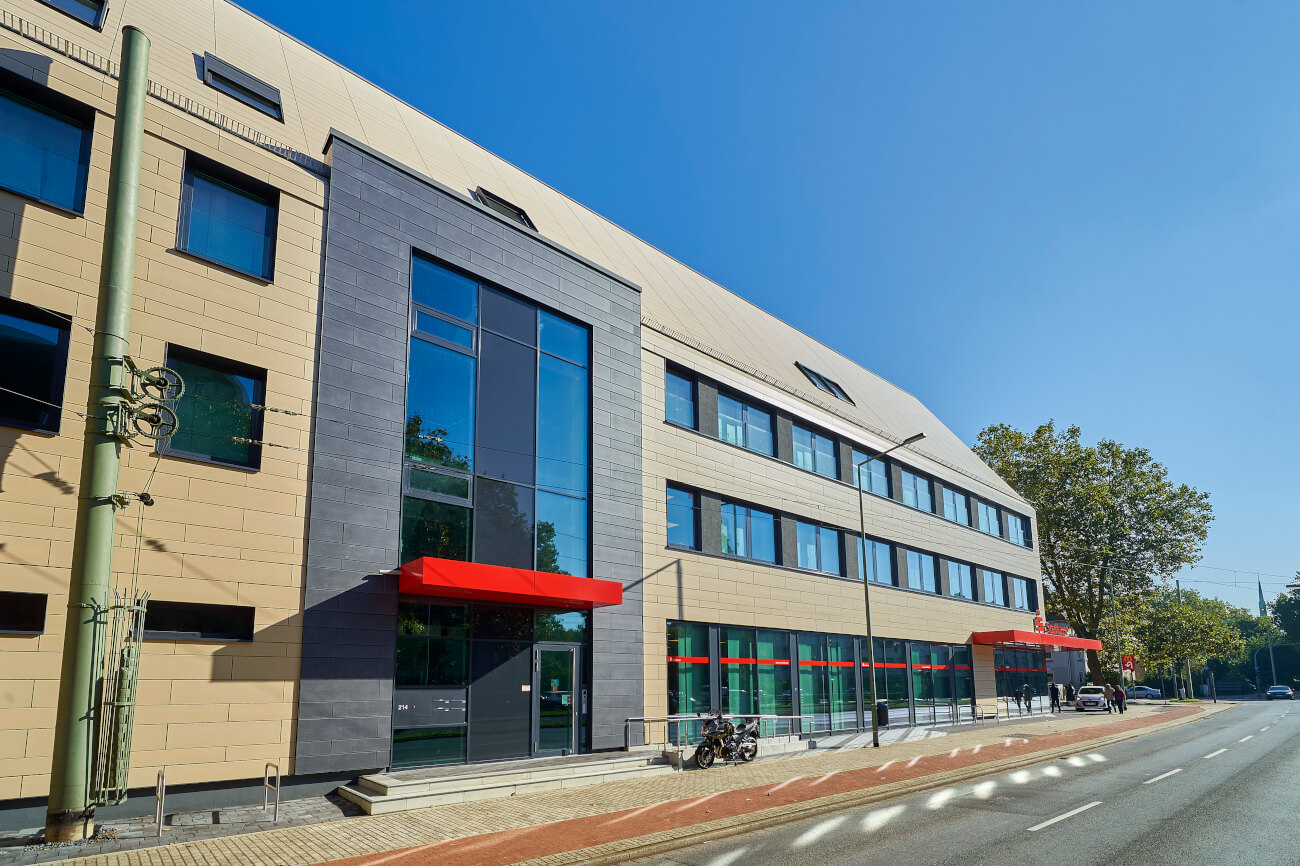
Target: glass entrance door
[[556, 703]]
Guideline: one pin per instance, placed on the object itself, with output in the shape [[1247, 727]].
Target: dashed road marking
[[1245, 738], [1069, 814], [1214, 754], [1163, 776]]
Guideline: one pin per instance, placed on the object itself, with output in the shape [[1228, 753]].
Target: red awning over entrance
[[1033, 638], [451, 579]]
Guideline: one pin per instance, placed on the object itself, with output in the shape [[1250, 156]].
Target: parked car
[[1091, 698], [1144, 692], [1281, 693]]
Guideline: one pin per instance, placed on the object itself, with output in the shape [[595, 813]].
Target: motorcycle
[[725, 740]]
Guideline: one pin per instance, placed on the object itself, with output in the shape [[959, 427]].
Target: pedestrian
[[1069, 693], [1121, 701], [1015, 693], [1029, 698], [1055, 693], [1110, 697]]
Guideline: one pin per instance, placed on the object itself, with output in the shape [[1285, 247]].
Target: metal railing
[[681, 731], [159, 796], [267, 787]]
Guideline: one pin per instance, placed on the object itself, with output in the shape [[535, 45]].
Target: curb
[[666, 841]]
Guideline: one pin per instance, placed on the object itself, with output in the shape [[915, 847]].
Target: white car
[[1091, 698]]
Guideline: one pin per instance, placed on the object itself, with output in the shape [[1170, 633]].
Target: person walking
[[1121, 701], [1029, 698], [1069, 693], [1110, 697], [1055, 693], [1015, 693]]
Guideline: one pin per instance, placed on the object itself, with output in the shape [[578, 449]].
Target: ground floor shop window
[[820, 678], [1017, 668]]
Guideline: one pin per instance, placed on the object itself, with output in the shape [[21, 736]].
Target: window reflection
[[440, 406]]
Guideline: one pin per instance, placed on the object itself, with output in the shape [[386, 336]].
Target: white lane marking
[[1163, 776], [1052, 771], [1245, 738], [1020, 777], [633, 814], [697, 802], [729, 858], [880, 818], [1069, 814], [884, 766], [783, 784], [1265, 728], [976, 750], [1214, 754], [1076, 761], [940, 797], [818, 831], [984, 790], [1096, 757], [912, 763], [822, 779]]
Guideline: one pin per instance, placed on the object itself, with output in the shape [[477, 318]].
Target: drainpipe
[[70, 813]]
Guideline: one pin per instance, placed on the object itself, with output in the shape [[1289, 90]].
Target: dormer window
[[830, 386], [235, 82], [503, 207]]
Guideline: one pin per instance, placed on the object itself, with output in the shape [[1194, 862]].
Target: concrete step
[[378, 796]]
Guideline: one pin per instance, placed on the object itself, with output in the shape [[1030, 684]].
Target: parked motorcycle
[[725, 740]]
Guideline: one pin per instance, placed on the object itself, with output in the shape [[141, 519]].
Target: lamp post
[[866, 584]]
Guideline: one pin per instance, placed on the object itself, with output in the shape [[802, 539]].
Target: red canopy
[[453, 579], [1033, 638]]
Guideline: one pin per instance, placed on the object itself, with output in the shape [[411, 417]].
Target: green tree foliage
[[1286, 612], [1196, 629], [430, 446], [1110, 522]]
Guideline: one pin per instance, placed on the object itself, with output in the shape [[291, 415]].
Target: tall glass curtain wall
[[825, 681], [497, 458]]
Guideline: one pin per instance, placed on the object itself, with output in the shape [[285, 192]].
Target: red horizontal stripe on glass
[[740, 661], [812, 664], [841, 664], [963, 667], [891, 665], [696, 660]]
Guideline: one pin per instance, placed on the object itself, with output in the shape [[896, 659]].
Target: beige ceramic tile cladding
[[683, 585], [208, 711]]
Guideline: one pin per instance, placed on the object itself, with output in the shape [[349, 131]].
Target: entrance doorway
[[558, 699]]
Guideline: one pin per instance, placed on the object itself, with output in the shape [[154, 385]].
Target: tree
[[1195, 629], [1286, 612], [1110, 522]]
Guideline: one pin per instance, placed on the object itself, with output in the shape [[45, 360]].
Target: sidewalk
[[618, 818]]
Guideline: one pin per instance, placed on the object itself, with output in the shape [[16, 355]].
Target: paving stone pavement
[[304, 839]]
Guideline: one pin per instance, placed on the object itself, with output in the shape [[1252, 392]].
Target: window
[[22, 612], [249, 90], [830, 386], [682, 519], [916, 491], [994, 591], [920, 571], [872, 477], [33, 365], [179, 620], [227, 218], [748, 532], [1020, 593], [814, 452], [87, 11], [877, 563], [1018, 529], [217, 409], [955, 507], [44, 145], [988, 518], [499, 418], [503, 207], [818, 547], [743, 425], [688, 668], [679, 399], [959, 581]]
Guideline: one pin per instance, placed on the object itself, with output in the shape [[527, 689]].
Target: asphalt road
[[1224, 790]]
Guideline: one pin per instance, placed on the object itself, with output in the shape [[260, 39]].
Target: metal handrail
[[267, 787], [159, 796], [667, 720]]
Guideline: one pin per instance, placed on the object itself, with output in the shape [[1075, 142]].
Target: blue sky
[[1086, 212]]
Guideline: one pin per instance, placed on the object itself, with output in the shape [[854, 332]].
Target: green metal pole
[[70, 813]]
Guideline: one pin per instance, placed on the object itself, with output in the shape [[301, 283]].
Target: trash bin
[[882, 713]]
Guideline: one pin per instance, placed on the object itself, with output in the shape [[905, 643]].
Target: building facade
[[465, 472]]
